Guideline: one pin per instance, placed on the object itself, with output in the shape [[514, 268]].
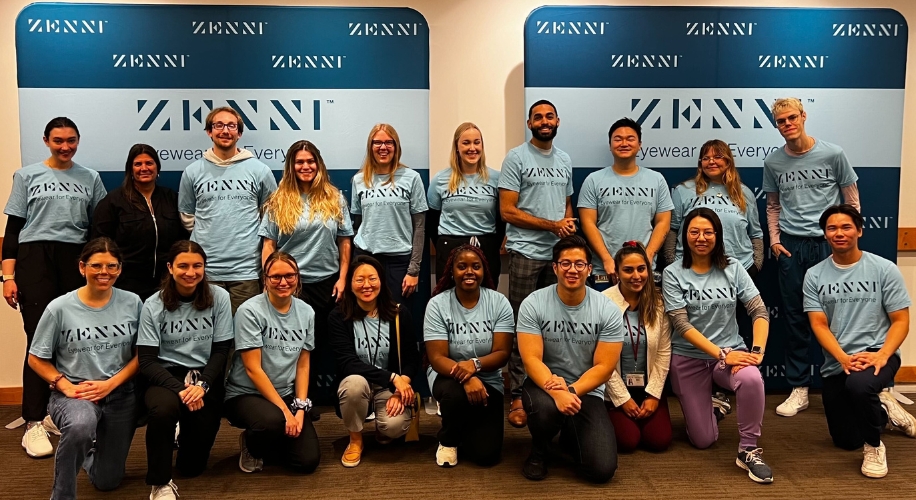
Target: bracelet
[[54, 382], [9, 277]]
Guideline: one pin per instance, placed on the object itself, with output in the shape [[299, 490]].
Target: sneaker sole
[[350, 465], [874, 475], [751, 475], [445, 465], [35, 455], [787, 414]]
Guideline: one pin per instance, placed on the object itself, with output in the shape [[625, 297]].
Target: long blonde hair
[[284, 207], [369, 163], [730, 178], [454, 160]]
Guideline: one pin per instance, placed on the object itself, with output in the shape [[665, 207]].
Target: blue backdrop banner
[[688, 75]]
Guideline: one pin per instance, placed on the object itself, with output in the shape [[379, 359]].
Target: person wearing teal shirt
[[801, 180], [49, 211], [464, 203], [388, 202], [570, 338], [535, 185], [85, 350], [267, 388], [623, 202], [220, 199], [859, 309], [184, 339], [468, 331], [307, 217]]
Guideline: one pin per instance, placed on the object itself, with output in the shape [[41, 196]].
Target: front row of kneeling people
[[574, 341]]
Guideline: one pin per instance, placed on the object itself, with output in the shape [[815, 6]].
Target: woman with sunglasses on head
[[267, 387], [142, 218], [464, 203], [45, 233], [701, 293], [307, 217], [388, 204], [85, 350], [640, 416], [468, 331], [184, 340], [376, 352]]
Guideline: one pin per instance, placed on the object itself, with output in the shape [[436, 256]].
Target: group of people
[[230, 291]]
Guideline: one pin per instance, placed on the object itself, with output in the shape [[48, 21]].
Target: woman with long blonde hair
[[464, 202], [388, 204]]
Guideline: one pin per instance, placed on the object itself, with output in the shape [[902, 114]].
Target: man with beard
[[535, 184], [219, 198]]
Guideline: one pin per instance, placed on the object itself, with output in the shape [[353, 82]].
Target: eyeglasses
[[706, 159], [695, 233], [220, 125], [579, 265], [373, 280], [389, 144], [274, 279], [781, 122], [97, 268]]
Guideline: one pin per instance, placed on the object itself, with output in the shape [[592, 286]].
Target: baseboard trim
[[10, 396]]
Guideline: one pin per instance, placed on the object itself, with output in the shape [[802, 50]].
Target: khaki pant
[[355, 394]]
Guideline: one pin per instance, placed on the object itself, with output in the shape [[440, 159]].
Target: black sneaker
[[535, 467], [751, 460], [719, 413]]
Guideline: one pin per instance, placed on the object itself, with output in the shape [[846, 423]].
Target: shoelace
[[873, 455], [754, 457], [795, 397], [36, 435]]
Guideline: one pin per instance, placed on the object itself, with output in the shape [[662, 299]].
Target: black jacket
[[144, 243], [348, 363]]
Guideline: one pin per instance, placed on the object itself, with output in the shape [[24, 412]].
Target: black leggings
[[318, 295], [265, 433], [851, 405], [476, 429]]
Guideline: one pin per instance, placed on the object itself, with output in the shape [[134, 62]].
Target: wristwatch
[[8, 277], [477, 365], [203, 385], [572, 389], [299, 404]]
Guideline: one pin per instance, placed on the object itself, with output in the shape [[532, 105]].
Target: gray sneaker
[[751, 460], [720, 400], [247, 462]]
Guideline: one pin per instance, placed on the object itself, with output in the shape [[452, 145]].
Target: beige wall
[[475, 75]]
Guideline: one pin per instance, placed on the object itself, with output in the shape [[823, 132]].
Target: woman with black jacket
[[142, 218], [372, 365]]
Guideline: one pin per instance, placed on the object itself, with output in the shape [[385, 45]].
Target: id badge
[[636, 380], [602, 278]]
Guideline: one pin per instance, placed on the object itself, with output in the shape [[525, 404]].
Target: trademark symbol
[[810, 100], [330, 101]]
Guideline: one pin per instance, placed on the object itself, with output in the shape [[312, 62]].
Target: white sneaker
[[35, 441], [897, 418], [446, 456], [247, 462], [164, 492], [874, 461], [796, 402], [49, 426]]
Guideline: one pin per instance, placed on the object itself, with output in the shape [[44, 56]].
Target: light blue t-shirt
[[807, 185], [87, 343], [386, 209], [472, 209], [636, 334], [469, 332], [313, 243], [281, 338], [226, 203], [626, 206], [739, 227], [57, 205], [857, 301], [373, 342], [711, 300], [571, 334], [543, 182], [185, 336]]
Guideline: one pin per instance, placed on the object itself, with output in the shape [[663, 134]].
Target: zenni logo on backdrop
[[256, 114], [689, 113]]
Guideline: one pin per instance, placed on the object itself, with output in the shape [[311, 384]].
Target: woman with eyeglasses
[[701, 293], [388, 204], [85, 351], [48, 217], [307, 217], [464, 203], [267, 388], [142, 218], [468, 331], [376, 352], [640, 414], [184, 340]]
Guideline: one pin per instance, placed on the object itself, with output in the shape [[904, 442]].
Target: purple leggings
[[692, 378]]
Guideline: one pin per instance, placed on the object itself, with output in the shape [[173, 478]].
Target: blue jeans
[[93, 436]]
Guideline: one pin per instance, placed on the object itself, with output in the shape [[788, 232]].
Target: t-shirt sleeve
[[345, 227], [671, 290], [747, 290], [417, 196], [434, 326], [769, 181], [44, 343], [138, 304], [268, 228], [677, 212], [613, 329], [187, 199], [753, 214], [355, 207], [247, 329], [510, 175], [504, 321], [845, 175], [432, 194], [528, 317], [223, 328], [18, 203], [268, 185], [98, 193], [570, 189], [309, 344], [147, 333], [587, 196], [893, 292], [663, 196], [811, 302]]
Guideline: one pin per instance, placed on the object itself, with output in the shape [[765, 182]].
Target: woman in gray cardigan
[[640, 413]]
